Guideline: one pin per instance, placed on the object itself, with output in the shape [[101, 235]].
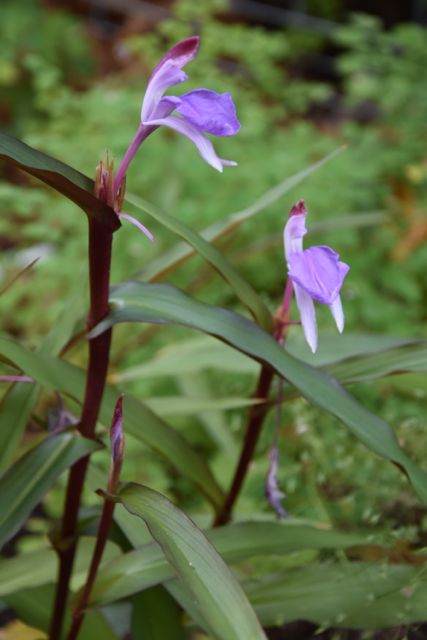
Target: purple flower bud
[[117, 444]]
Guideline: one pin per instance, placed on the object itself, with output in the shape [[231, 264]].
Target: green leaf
[[25, 483], [410, 357], [243, 290], [220, 600], [141, 422], [187, 406], [34, 607], [156, 616], [181, 252], [39, 567], [15, 409], [18, 403], [71, 183], [198, 354], [139, 302], [146, 566], [352, 594]]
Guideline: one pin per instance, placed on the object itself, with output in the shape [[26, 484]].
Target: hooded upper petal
[[319, 272], [212, 112], [295, 229], [168, 73]]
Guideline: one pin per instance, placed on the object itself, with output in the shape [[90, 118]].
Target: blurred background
[[307, 77]]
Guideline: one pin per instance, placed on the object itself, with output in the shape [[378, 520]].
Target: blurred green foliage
[[379, 113]]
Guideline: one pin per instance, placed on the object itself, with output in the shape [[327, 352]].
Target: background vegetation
[[68, 92]]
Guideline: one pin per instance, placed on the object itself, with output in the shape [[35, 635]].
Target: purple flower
[[316, 274], [193, 114]]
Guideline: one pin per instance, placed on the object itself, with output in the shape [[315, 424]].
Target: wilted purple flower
[[316, 274], [193, 114], [272, 491]]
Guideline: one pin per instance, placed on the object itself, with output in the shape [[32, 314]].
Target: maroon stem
[[100, 243], [257, 414], [104, 525], [255, 421]]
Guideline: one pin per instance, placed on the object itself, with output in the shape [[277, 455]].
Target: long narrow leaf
[[243, 290], [138, 302], [26, 482], [71, 183], [181, 252], [146, 566], [220, 600], [141, 422]]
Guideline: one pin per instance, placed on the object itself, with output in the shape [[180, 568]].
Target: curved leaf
[[71, 183], [139, 302], [220, 600], [26, 482], [243, 290], [141, 422], [146, 566], [409, 357], [352, 594], [181, 252], [39, 567]]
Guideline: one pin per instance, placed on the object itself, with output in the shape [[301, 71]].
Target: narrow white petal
[[308, 316], [203, 144], [338, 313]]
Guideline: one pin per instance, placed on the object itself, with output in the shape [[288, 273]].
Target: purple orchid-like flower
[[193, 114], [316, 274]]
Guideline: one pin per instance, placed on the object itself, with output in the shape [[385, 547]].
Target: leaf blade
[[158, 303], [223, 604], [63, 178]]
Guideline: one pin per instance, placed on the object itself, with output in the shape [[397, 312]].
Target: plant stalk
[[257, 414], [100, 244], [102, 537]]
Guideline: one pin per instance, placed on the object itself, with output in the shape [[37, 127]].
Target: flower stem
[[100, 243], [257, 414], [104, 525], [142, 132]]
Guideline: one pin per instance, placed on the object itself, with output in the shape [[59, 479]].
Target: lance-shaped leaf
[[243, 290], [26, 482], [71, 183], [141, 422], [181, 251], [222, 604], [146, 566], [138, 302], [352, 594]]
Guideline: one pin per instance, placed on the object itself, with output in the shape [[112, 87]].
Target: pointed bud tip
[[298, 209], [116, 432]]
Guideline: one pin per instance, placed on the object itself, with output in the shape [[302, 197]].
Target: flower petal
[[138, 224], [203, 144], [213, 112], [168, 73], [272, 491], [337, 313], [318, 271], [308, 316], [295, 229], [180, 54]]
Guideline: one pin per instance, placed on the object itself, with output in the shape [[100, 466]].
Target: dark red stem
[[104, 525], [256, 417], [257, 414], [100, 243]]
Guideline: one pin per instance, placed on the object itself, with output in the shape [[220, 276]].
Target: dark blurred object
[[311, 15]]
